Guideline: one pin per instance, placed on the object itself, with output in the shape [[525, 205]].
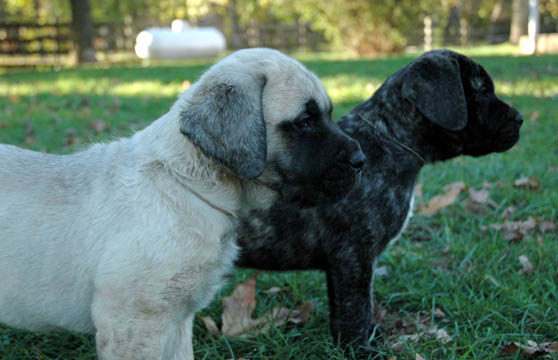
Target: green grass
[[445, 261]]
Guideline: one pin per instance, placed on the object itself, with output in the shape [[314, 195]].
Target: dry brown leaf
[[272, 291], [71, 137], [488, 185], [546, 225], [531, 349], [238, 308], [480, 196], [210, 325], [529, 182], [98, 125], [508, 212], [439, 313], [515, 231], [441, 201], [431, 332], [237, 318], [527, 266]]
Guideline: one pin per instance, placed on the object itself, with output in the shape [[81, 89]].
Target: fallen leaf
[[439, 202], [431, 332], [508, 212], [3, 124], [238, 308], [439, 314], [71, 137], [527, 266], [478, 199], [98, 126], [531, 349], [272, 291], [418, 357], [515, 231], [546, 225], [487, 185], [529, 182], [480, 196], [237, 318], [210, 325]]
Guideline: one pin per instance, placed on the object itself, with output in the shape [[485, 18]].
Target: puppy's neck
[[167, 152]]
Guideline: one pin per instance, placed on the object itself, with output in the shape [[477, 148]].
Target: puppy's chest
[[406, 221]]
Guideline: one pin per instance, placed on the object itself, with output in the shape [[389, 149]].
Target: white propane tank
[[179, 42]]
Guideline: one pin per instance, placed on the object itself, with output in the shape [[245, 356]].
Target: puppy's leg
[[144, 331], [350, 292]]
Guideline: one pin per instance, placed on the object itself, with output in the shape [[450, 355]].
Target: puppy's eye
[[303, 123]]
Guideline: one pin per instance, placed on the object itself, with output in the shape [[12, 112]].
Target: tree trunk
[[235, 25], [494, 32], [520, 18], [82, 27], [451, 31], [3, 13]]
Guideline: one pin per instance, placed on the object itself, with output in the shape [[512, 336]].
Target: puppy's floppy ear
[[433, 85], [225, 120]]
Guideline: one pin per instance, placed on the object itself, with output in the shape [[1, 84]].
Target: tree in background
[[82, 27], [519, 19], [361, 26]]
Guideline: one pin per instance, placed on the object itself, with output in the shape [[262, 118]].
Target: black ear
[[433, 84], [225, 120]]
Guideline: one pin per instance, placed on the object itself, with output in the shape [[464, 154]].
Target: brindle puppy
[[440, 106]]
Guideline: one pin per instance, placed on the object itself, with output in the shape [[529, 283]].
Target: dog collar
[[409, 149], [221, 210]]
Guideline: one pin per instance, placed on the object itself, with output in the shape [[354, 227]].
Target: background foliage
[[362, 26]]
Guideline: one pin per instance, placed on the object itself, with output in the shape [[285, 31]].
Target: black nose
[[519, 119], [357, 159]]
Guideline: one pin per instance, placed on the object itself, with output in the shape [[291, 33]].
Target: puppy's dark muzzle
[[519, 119], [351, 154]]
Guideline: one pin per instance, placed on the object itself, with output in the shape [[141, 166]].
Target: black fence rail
[[52, 41]]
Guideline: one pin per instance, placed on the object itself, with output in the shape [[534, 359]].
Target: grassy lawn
[[448, 261]]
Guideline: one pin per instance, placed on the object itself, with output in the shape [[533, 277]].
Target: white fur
[[409, 216], [112, 240]]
